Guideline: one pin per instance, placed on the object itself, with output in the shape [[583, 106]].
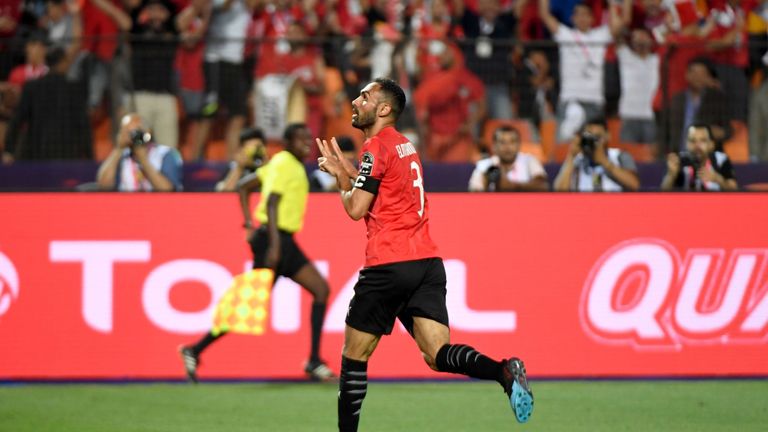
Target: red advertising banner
[[109, 285]]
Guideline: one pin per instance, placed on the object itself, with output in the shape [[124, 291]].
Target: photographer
[[249, 157], [509, 169], [593, 167], [701, 167], [137, 163]]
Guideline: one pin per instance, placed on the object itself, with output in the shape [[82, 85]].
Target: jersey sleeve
[[373, 162]]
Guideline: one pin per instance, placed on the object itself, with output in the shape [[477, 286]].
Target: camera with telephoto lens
[[689, 159], [139, 137], [493, 175], [588, 143]]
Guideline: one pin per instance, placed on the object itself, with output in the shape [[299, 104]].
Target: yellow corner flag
[[243, 308]]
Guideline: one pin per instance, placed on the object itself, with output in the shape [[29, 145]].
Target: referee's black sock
[[465, 360], [316, 318], [353, 384], [203, 343]]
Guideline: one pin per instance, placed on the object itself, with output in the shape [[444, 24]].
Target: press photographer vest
[[593, 178]]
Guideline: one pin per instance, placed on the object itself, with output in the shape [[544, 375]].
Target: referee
[[280, 212]]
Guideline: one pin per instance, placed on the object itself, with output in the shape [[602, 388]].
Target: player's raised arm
[[356, 201]]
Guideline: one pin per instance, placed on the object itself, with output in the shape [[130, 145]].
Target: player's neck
[[376, 128]]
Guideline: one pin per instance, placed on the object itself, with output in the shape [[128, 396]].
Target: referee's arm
[[245, 186]]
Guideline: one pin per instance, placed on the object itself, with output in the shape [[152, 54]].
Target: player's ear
[[385, 109]]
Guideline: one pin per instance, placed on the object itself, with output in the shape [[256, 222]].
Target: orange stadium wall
[[107, 286]]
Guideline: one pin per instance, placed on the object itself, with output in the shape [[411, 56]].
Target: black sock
[[203, 343], [463, 359], [316, 318], [353, 384]]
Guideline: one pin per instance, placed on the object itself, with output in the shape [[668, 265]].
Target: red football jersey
[[398, 220]]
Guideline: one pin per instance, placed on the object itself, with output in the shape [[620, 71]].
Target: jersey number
[[419, 183]]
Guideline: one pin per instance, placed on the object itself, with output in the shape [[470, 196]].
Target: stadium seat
[[640, 152]]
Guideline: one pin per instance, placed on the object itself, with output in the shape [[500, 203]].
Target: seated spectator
[[639, 72], [138, 163], [51, 120], [249, 157], [582, 59], [700, 167], [592, 166], [320, 181], [449, 104], [701, 102], [508, 169]]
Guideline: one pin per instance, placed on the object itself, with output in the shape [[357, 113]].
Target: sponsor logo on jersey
[[366, 164]]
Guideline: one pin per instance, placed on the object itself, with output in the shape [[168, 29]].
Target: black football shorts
[[399, 290], [292, 258]]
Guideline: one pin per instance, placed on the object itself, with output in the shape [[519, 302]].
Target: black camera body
[[589, 143], [493, 175], [139, 137], [690, 159]]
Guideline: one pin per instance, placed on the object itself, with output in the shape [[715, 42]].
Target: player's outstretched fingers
[[336, 149], [323, 146]]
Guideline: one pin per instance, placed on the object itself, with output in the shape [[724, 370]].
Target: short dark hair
[[586, 5], [291, 130], [597, 120], [393, 93], [503, 129], [701, 125], [706, 62], [55, 56], [251, 133]]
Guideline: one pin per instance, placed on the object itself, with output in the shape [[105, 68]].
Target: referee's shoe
[[517, 389], [317, 370], [191, 361]]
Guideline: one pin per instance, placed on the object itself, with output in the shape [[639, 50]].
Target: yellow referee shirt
[[284, 175]]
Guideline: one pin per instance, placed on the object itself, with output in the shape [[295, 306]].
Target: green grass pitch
[[452, 406]]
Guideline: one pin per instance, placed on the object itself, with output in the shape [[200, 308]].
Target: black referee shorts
[[404, 290], [292, 258]]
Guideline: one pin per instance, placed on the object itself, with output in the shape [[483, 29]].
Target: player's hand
[[333, 160]]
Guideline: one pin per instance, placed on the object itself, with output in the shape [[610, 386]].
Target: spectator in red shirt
[[34, 66], [433, 26], [103, 22], [290, 60], [10, 11], [727, 42], [449, 105], [192, 23]]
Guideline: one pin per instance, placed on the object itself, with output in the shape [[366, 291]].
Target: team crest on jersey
[[366, 165]]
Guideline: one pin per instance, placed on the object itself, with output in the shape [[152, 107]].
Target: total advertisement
[[108, 286]]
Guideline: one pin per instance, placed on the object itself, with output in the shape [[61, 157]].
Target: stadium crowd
[[200, 71]]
